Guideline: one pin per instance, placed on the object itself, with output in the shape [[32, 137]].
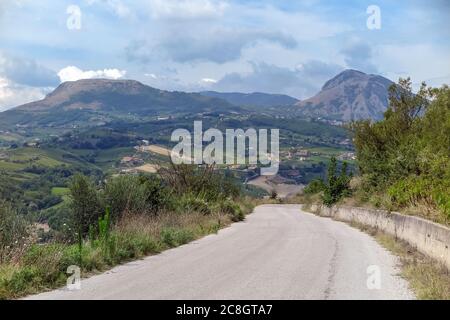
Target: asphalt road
[[279, 252]]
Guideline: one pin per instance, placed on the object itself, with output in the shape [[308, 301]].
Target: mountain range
[[348, 96], [255, 99], [99, 100], [351, 95]]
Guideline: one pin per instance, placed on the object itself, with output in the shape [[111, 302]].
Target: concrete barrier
[[430, 238]]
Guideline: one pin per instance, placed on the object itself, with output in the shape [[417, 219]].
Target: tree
[[336, 186], [85, 205]]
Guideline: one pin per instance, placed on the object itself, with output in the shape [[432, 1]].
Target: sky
[[290, 47]]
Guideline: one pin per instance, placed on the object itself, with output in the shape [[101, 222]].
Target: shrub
[[193, 203], [233, 209], [273, 194], [315, 186], [336, 186], [174, 237], [46, 259], [157, 196], [124, 194], [204, 181], [23, 280], [134, 244]]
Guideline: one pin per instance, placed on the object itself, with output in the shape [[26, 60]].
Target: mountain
[[100, 99], [351, 95], [256, 99]]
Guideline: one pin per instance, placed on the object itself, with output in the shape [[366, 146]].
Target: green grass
[[58, 191], [26, 157], [105, 159], [10, 166], [327, 150]]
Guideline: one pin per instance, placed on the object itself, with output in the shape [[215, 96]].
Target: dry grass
[[156, 149], [154, 225], [43, 267]]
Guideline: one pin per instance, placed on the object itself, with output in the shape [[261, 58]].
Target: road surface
[[279, 252]]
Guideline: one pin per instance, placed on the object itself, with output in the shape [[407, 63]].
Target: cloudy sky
[[273, 46]]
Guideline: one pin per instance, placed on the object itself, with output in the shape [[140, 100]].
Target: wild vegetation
[[403, 161], [109, 222], [335, 187]]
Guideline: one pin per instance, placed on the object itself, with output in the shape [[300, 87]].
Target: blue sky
[[289, 47]]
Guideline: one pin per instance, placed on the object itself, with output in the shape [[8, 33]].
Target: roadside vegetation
[[403, 161], [335, 187], [110, 222]]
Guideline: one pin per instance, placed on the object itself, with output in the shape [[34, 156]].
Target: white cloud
[[117, 6], [5, 93], [151, 75], [208, 80], [186, 9], [13, 95], [421, 62], [72, 73]]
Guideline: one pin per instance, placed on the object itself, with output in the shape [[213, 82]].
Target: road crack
[[332, 271]]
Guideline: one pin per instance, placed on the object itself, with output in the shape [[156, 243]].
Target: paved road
[[279, 252]]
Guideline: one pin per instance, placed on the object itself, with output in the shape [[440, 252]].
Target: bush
[[157, 196], [193, 203], [273, 195], [174, 237], [336, 186], [233, 209], [23, 280], [125, 194], [131, 245], [202, 181], [315, 186]]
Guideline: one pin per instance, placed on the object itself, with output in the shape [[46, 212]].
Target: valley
[[106, 128]]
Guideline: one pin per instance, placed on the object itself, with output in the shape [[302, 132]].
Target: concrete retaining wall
[[430, 238]]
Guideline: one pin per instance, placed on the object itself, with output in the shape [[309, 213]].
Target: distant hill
[[256, 99], [101, 99], [351, 95]]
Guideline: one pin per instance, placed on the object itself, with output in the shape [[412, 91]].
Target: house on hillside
[[33, 144], [347, 156], [302, 155]]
